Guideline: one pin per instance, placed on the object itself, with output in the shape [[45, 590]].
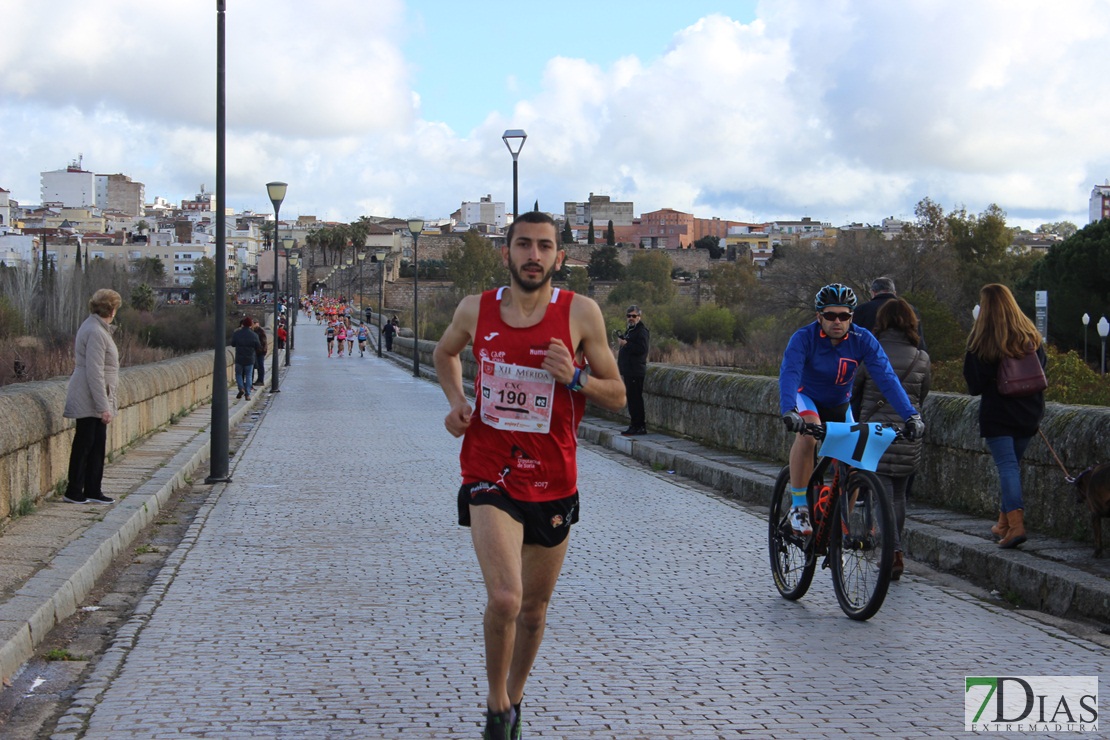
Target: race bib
[[860, 445], [516, 398]]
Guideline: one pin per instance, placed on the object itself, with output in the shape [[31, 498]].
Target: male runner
[[520, 492], [815, 385]]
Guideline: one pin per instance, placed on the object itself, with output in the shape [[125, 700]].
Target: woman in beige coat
[[91, 399]]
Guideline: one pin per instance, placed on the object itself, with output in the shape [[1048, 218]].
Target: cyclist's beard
[[527, 283]]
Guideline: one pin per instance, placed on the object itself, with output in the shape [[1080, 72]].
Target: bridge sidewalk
[[53, 556]]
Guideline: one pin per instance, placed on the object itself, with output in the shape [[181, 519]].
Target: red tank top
[[523, 433]]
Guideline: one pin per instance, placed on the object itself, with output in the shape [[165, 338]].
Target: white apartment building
[[485, 211], [73, 187], [119, 193], [1099, 206]]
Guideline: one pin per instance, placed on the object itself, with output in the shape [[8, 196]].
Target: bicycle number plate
[[859, 445]]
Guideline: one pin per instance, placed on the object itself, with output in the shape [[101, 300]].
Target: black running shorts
[[545, 523]]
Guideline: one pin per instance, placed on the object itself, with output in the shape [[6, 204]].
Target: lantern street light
[[1086, 320], [276, 191], [379, 257], [510, 137], [1103, 329], [416, 225]]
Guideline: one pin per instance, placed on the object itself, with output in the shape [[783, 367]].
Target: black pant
[[634, 390], [86, 458], [260, 366]]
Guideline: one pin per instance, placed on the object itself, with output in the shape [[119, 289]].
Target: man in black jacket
[[632, 362], [882, 290], [246, 345]]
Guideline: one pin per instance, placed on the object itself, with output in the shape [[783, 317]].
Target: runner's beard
[[529, 287]]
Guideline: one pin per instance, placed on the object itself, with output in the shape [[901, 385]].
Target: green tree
[[578, 280], [202, 291], [1076, 274], [149, 270], [568, 235], [605, 264], [653, 269], [711, 243], [733, 283], [1063, 229], [705, 324], [611, 235], [590, 239], [536, 207], [476, 265], [142, 298]]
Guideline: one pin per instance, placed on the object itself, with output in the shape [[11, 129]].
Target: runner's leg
[[540, 570]]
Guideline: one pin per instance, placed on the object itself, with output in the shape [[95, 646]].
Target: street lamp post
[[379, 255], [510, 137], [291, 322], [276, 191], [1103, 329], [361, 259], [287, 243], [416, 225], [1086, 320]]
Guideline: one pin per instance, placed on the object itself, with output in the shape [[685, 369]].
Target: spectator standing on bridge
[[1007, 423], [390, 331], [91, 399], [246, 344], [896, 330], [260, 354], [632, 361], [519, 496]]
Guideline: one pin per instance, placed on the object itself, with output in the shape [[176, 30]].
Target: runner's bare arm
[[449, 366], [587, 328]]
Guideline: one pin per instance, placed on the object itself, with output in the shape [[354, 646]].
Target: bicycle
[[862, 552]]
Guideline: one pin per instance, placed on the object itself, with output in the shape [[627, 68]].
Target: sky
[[841, 110]]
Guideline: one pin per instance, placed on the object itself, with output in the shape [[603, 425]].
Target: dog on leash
[[1092, 487]]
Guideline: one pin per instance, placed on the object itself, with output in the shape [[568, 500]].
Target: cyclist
[[815, 385]]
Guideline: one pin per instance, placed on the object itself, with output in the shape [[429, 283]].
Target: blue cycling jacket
[[813, 366]]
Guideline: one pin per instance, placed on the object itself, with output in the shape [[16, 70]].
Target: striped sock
[[799, 496]]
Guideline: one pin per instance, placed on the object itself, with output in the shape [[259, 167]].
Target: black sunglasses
[[830, 316], [632, 315]]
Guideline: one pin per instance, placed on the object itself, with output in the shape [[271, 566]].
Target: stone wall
[[35, 439], [740, 413]]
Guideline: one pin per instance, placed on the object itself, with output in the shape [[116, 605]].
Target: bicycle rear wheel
[[792, 561], [861, 549]]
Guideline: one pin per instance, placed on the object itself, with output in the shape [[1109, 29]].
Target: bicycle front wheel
[[861, 545], [792, 561]]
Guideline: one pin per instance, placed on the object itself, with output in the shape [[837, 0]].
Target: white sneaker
[[799, 521]]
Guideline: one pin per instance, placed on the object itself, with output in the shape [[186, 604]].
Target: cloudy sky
[[842, 110]]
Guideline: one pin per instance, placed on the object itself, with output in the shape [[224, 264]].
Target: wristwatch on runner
[[578, 382]]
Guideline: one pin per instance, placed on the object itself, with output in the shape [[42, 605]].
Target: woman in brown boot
[[1007, 423]]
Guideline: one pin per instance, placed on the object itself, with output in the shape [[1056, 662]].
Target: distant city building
[[120, 193], [1100, 203], [72, 187], [485, 211], [202, 202], [599, 209], [666, 229], [5, 209]]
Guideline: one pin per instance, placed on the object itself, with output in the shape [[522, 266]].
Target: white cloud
[[838, 110]]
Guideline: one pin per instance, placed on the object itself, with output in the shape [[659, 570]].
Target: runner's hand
[[458, 419], [559, 362], [915, 428]]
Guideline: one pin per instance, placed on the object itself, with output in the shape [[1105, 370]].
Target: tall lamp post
[[416, 225], [379, 257], [1103, 329], [276, 191], [1086, 320], [287, 244], [510, 137], [361, 259], [295, 308]]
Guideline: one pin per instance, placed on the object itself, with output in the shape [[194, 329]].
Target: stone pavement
[[326, 592]]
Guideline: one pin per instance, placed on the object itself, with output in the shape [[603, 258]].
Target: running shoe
[[799, 521], [498, 726], [100, 498], [68, 500], [516, 731]]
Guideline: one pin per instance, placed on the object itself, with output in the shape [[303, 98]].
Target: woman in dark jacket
[[1006, 422], [896, 328]]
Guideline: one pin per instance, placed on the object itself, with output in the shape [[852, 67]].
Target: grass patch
[[25, 506], [61, 654], [144, 549], [1012, 598]]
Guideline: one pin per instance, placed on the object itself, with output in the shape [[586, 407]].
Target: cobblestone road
[[327, 593]]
